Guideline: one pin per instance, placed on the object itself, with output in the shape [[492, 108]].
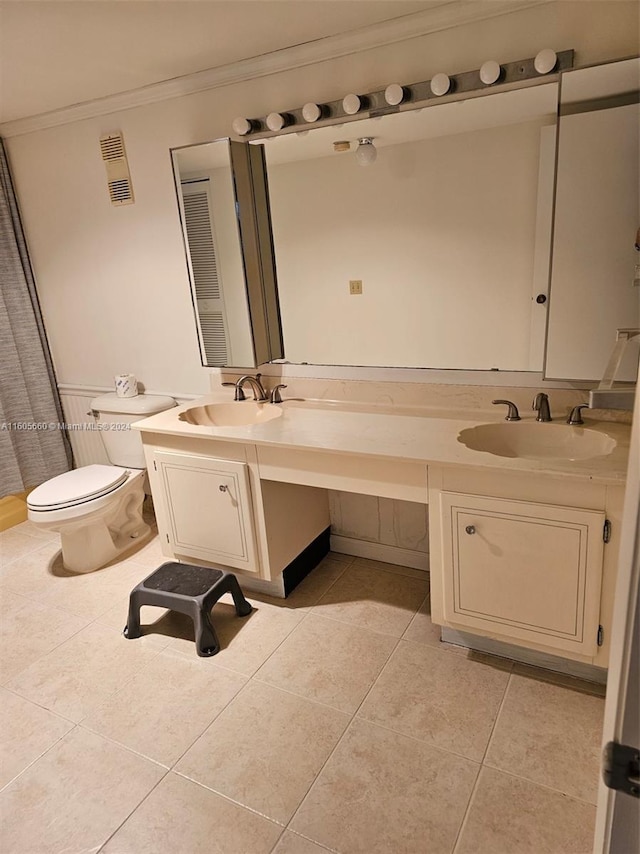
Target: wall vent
[[115, 161]]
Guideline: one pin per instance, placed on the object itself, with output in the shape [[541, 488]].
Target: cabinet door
[[523, 571], [207, 507]]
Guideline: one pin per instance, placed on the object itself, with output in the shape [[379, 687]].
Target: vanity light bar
[[394, 97]]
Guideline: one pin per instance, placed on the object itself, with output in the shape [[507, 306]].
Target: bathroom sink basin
[[231, 414], [537, 441]]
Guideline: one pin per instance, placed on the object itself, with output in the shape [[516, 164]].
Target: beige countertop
[[404, 433]]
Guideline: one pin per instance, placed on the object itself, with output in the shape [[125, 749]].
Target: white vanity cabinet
[[524, 570], [205, 508], [214, 505], [524, 560]]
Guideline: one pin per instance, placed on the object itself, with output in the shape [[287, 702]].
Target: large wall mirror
[[448, 232], [447, 235]]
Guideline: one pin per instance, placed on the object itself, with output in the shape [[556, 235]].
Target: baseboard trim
[[380, 551], [579, 669]]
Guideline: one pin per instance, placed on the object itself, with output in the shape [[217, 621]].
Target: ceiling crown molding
[[451, 13]]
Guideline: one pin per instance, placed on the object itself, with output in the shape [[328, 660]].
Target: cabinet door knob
[[470, 529], [223, 487]]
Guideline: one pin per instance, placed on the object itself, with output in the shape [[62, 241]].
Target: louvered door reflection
[[206, 278]]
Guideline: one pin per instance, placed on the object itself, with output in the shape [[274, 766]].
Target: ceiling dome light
[[545, 61], [490, 72], [366, 152], [440, 84]]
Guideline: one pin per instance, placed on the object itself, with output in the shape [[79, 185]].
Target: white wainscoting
[[86, 444]]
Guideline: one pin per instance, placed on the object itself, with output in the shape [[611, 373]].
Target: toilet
[[97, 509]]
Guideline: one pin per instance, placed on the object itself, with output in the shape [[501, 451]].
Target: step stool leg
[[132, 629], [206, 639], [243, 608]]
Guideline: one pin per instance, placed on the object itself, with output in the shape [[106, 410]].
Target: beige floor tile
[[331, 662], [29, 631], [11, 602], [421, 629], [513, 816], [599, 689], [343, 558], [26, 732], [551, 735], [41, 575], [74, 797], [15, 544], [148, 554], [181, 817], [311, 589], [291, 843], [381, 792], [246, 642], [374, 599], [34, 573], [157, 627], [76, 677], [91, 594], [37, 532], [265, 749], [437, 697], [164, 709], [396, 569]]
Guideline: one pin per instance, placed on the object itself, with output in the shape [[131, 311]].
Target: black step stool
[[191, 590]]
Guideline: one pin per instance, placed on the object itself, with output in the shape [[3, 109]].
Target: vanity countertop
[[414, 434]]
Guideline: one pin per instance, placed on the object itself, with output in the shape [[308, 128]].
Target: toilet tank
[[114, 416]]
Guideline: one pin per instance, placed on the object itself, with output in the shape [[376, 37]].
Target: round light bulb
[[490, 72], [440, 84], [241, 126], [311, 112], [394, 94], [366, 151], [545, 61], [275, 121], [351, 104]]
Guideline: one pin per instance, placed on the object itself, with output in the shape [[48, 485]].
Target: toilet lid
[[75, 487]]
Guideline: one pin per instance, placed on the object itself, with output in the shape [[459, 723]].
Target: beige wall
[[113, 281]]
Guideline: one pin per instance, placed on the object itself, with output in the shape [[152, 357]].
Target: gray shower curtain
[[33, 448]]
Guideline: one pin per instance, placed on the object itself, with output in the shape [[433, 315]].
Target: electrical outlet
[[355, 286]]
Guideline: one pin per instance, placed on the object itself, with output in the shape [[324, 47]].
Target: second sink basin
[[237, 414], [537, 441]]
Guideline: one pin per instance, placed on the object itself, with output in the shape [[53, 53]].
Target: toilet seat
[[77, 487]]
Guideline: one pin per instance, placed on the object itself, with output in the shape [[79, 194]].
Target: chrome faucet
[[512, 414], [575, 416], [259, 392], [541, 405]]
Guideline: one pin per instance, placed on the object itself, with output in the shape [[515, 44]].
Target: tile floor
[[332, 721]]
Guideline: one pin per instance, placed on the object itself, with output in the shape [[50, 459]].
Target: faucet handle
[[576, 414], [276, 397], [539, 399], [512, 414]]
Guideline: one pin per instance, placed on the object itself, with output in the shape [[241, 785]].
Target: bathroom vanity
[[523, 545]]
